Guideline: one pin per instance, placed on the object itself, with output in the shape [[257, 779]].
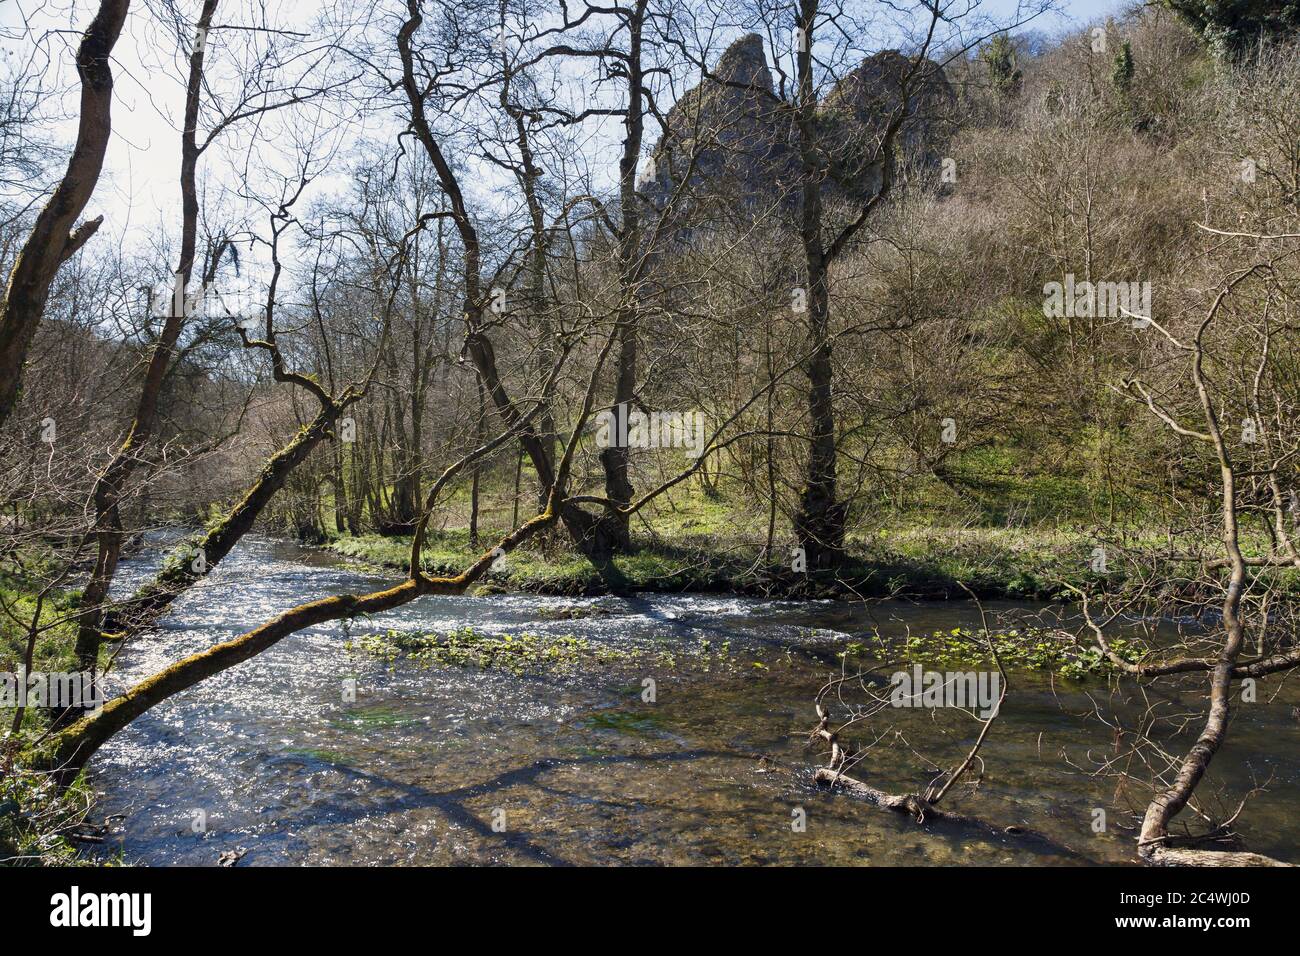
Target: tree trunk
[[613, 532], [588, 536], [819, 524], [110, 486], [53, 240], [479, 437]]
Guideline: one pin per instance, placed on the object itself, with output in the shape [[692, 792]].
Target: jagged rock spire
[[745, 63]]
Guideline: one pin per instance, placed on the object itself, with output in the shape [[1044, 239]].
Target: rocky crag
[[732, 141]]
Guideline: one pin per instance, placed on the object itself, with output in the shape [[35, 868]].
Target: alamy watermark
[[618, 427], [1092, 300], [979, 691], [70, 689], [243, 304], [75, 909]]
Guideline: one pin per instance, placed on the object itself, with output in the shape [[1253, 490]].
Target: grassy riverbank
[[916, 560], [923, 563], [42, 827], [38, 825]]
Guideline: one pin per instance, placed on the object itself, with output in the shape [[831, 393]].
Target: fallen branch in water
[[1163, 855], [924, 807], [914, 805]]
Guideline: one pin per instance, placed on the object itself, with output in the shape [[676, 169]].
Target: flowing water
[[442, 764]]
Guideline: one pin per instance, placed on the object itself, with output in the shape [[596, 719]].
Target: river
[[439, 765]]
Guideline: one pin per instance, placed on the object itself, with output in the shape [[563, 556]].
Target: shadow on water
[[454, 803]]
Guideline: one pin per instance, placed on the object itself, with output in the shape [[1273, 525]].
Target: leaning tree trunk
[[53, 239], [1155, 843], [73, 747], [148, 603], [67, 753]]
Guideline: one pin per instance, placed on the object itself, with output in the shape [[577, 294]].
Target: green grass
[[38, 825], [57, 629], [708, 549], [918, 562], [55, 641]]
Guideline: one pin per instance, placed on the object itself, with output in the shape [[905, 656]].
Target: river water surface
[[435, 765]]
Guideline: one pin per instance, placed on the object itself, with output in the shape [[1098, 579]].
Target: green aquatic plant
[[639, 723], [1026, 648], [466, 647], [527, 653], [374, 716]]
